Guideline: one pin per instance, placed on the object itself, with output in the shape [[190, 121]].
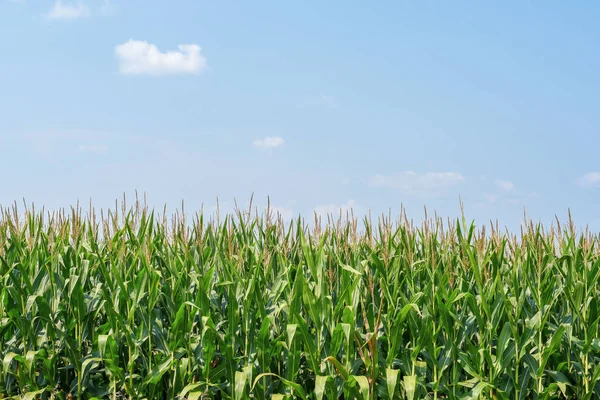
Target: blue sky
[[319, 105]]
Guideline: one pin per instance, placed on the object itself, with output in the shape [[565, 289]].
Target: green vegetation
[[130, 305]]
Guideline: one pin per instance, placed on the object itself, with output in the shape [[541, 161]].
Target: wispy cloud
[[108, 7], [329, 101], [92, 148], [335, 209], [591, 179], [268, 142], [321, 101], [64, 142], [506, 186], [137, 57], [425, 183], [68, 11], [490, 198], [286, 213], [511, 198]]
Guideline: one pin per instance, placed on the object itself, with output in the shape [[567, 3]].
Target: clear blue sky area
[[320, 105]]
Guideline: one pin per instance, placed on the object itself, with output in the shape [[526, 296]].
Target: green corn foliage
[[132, 305]]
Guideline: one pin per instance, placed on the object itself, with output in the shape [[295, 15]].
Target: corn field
[[130, 304]]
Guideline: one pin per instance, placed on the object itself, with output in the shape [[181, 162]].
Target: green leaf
[[363, 384], [34, 395], [410, 385], [190, 388], [478, 389], [8, 359], [561, 380], [296, 387], [291, 333], [549, 350], [339, 368], [391, 381], [158, 371], [320, 383], [348, 268], [240, 384]]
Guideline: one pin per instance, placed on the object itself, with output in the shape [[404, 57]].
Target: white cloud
[[92, 148], [334, 209], [491, 198], [418, 183], [69, 11], [330, 102], [321, 101], [48, 142], [590, 179], [137, 57], [507, 186], [285, 213], [268, 142], [503, 198], [108, 7]]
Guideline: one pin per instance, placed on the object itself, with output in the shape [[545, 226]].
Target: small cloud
[[268, 142], [335, 209], [503, 198], [429, 183], [69, 11], [591, 179], [507, 186], [330, 102], [346, 181], [92, 148], [285, 213], [491, 198], [108, 7], [321, 101], [137, 57]]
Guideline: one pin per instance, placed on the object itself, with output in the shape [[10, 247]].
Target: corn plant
[[131, 304]]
